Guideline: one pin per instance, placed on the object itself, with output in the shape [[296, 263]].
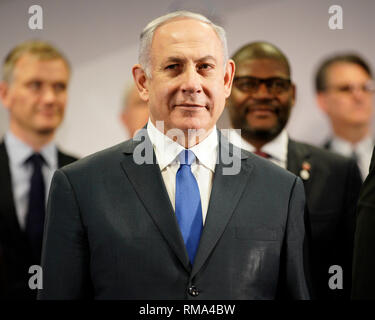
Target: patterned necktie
[[36, 207], [188, 204], [262, 154]]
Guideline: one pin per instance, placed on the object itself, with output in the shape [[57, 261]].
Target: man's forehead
[[29, 63], [184, 31], [261, 66], [344, 71]]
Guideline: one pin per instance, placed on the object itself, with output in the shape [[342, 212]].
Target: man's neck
[[352, 134], [35, 140]]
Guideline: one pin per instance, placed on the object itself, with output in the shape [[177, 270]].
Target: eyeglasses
[[251, 85], [368, 87]]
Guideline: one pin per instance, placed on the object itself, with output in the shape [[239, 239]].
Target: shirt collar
[[167, 150], [277, 148], [364, 145], [345, 147], [18, 151]]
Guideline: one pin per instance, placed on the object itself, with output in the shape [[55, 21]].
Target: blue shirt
[[20, 172]]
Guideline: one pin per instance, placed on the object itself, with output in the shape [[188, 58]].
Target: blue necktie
[[36, 207], [188, 204]]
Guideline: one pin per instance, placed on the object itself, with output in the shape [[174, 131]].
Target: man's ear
[[4, 96], [294, 94], [228, 77], [140, 80]]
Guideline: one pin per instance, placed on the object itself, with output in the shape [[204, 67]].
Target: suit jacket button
[[193, 291]]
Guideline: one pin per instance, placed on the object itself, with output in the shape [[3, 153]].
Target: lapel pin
[[305, 172]]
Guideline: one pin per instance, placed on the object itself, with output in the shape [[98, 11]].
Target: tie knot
[[186, 157], [262, 154], [36, 159]]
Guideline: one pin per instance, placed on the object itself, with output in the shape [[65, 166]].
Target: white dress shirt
[[277, 149], [20, 172], [362, 149], [203, 167]]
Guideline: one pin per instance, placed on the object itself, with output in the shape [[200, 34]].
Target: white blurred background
[[100, 38]]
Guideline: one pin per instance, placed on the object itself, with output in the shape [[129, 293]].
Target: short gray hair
[[42, 50], [144, 55]]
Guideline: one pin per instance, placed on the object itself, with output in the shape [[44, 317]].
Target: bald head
[[261, 50]]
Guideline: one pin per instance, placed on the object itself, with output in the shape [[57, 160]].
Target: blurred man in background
[[262, 98], [34, 91], [345, 90], [134, 114]]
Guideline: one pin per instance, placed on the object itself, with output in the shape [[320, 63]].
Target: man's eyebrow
[[205, 58], [180, 59], [174, 59]]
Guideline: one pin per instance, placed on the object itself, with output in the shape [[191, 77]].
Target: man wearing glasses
[[345, 89], [260, 104]]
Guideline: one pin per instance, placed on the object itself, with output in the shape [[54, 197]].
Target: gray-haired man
[[180, 227]]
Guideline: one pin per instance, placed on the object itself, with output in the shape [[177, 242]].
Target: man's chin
[[46, 129], [261, 133], [191, 123]]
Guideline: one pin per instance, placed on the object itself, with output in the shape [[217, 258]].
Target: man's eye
[[59, 87], [35, 85], [204, 66], [172, 67], [344, 88], [279, 85], [247, 84]]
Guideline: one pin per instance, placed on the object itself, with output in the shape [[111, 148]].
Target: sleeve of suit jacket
[[65, 259], [294, 277], [363, 285]]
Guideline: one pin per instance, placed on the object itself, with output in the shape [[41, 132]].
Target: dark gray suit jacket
[[332, 192], [111, 233], [15, 258]]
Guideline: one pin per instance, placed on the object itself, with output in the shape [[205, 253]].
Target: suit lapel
[[297, 156], [220, 208], [8, 216], [149, 186]]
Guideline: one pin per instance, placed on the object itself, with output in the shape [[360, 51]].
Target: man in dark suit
[[260, 104], [364, 242], [177, 212], [34, 91], [345, 92]]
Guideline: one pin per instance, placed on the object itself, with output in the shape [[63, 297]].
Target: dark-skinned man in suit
[[34, 91], [198, 218], [260, 105]]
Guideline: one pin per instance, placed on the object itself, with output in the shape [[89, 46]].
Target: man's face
[[135, 115], [37, 95], [189, 84], [345, 107], [259, 112]]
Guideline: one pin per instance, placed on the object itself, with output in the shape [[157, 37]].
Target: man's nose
[[48, 95], [191, 83], [262, 92]]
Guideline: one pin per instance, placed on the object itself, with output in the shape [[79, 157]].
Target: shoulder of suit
[[268, 168], [322, 156], [100, 159]]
